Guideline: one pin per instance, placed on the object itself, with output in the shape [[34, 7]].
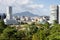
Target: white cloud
[[6, 2], [0, 0], [41, 6], [13, 2], [22, 2], [36, 6], [22, 5]]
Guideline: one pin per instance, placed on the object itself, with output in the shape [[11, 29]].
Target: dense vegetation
[[32, 32]]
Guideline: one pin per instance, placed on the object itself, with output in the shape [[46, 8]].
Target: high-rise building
[[9, 19], [9, 12], [54, 13]]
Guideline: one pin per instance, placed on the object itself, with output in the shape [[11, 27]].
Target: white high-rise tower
[[9, 19], [9, 12]]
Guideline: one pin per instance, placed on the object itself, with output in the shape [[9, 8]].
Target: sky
[[38, 7]]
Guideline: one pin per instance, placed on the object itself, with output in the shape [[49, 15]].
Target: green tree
[[8, 34], [42, 33], [54, 32], [55, 22], [2, 26], [21, 35], [33, 29]]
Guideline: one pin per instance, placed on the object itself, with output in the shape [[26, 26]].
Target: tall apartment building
[[54, 13]]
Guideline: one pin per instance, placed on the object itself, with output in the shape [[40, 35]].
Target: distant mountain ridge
[[26, 13]]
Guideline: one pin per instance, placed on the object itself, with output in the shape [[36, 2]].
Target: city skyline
[[39, 7]]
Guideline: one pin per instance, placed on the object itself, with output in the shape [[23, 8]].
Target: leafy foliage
[[32, 32], [2, 26], [8, 34]]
